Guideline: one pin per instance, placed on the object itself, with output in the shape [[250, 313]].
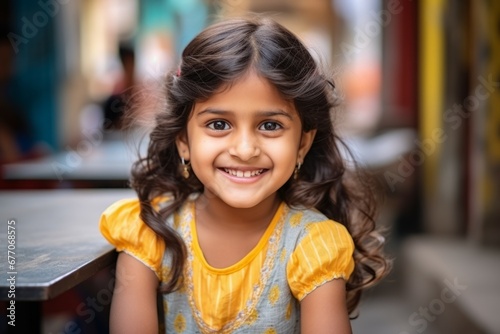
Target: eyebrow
[[266, 113]]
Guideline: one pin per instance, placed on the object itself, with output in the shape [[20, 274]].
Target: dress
[[300, 250]]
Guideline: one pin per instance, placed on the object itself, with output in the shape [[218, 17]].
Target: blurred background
[[420, 82]]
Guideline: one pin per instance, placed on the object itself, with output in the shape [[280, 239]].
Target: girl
[[247, 220]]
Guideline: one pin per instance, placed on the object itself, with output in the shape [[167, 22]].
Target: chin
[[240, 201], [243, 204]]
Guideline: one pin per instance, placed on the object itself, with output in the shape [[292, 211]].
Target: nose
[[245, 146]]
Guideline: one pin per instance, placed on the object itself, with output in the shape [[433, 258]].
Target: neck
[[212, 210]]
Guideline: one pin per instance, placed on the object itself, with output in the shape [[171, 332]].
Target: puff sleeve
[[324, 253], [121, 225]]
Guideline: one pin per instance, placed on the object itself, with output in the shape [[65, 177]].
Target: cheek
[[203, 154], [285, 147], [284, 154]]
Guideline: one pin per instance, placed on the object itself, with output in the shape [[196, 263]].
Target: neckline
[[247, 258]]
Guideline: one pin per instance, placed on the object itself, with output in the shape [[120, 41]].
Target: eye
[[270, 126], [218, 125]]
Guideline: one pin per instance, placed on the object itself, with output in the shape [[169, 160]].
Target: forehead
[[250, 93]]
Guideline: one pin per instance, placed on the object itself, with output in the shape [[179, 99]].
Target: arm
[[134, 305], [324, 310]]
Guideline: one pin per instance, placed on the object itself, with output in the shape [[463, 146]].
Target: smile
[[243, 174]]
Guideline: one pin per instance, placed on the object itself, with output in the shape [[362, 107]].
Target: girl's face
[[244, 142]]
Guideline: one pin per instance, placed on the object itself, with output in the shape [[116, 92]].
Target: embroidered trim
[[258, 288], [319, 282]]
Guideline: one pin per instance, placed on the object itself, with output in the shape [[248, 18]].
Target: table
[[57, 243], [106, 161], [381, 150]]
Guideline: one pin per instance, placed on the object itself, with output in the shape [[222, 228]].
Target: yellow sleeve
[[323, 254], [121, 225]]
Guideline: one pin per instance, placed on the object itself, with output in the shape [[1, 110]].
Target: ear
[[183, 145], [305, 144]]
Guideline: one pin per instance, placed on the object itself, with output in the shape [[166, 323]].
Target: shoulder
[[313, 223], [124, 216], [322, 251], [300, 216], [123, 227]]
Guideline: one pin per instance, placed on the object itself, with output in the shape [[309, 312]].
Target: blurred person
[[116, 106], [16, 142], [16, 139], [247, 218]]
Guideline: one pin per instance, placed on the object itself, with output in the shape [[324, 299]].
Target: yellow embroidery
[[295, 219], [252, 317], [180, 323], [310, 226], [180, 284], [270, 331], [288, 313], [165, 306], [283, 255], [165, 273], [272, 254], [176, 220], [274, 294]]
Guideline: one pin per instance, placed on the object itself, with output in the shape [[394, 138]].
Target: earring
[[185, 168], [296, 171]]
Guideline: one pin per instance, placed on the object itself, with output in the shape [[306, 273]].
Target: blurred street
[[419, 89]]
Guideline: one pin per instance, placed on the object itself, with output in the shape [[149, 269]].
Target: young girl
[[247, 219]]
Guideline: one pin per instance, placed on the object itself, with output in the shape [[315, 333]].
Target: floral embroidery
[[288, 313], [165, 306], [246, 312], [180, 323], [181, 285], [165, 273], [295, 219], [249, 317], [176, 220], [252, 317], [308, 227], [283, 255], [274, 294]]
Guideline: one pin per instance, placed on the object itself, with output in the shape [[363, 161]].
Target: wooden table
[[57, 243]]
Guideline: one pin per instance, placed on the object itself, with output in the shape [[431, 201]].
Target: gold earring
[[185, 168], [296, 171]]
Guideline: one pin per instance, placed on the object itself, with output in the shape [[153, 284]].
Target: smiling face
[[244, 142]]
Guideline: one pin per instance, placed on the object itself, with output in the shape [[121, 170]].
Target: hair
[[212, 61]]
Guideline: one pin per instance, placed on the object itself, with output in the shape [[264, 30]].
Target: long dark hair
[[215, 59]]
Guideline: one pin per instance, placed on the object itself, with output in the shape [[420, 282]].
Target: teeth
[[247, 173]]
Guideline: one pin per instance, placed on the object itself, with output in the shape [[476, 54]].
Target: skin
[[246, 128], [243, 144], [251, 129], [133, 307]]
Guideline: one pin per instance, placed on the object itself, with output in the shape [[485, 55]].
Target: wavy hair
[[212, 61]]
